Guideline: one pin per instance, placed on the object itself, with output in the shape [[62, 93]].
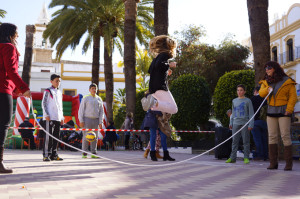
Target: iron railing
[[283, 58]]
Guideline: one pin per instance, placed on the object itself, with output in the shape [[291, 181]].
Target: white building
[[285, 46], [76, 76]]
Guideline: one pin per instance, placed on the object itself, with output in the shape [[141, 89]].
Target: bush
[[193, 99], [120, 117], [225, 91], [139, 112]]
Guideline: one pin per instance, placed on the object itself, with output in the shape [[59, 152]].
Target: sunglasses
[[268, 67]]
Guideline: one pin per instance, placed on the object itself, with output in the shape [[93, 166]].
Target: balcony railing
[[283, 58]]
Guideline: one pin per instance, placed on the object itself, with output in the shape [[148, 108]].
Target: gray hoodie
[[91, 107]]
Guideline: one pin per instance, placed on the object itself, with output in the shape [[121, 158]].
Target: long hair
[[7, 31], [162, 43], [278, 73]]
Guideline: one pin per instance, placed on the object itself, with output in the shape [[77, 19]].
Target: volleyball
[[90, 136]]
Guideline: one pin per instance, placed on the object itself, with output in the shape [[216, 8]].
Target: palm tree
[[114, 35], [70, 23], [143, 62], [120, 96], [96, 19], [161, 17], [2, 14], [138, 24], [260, 35], [26, 74], [129, 53]]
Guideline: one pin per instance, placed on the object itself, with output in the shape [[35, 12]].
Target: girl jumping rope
[[163, 48]]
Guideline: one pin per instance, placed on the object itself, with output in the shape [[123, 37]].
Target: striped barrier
[[102, 130], [22, 111]]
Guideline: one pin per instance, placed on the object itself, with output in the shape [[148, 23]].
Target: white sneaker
[[148, 102]]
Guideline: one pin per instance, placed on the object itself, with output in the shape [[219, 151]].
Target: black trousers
[[6, 110], [127, 141], [50, 144]]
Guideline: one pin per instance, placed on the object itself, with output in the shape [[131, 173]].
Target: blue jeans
[[260, 137], [153, 139]]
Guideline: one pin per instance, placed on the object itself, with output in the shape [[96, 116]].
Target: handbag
[[147, 102]]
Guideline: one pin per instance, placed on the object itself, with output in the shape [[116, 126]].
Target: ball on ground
[[90, 136]]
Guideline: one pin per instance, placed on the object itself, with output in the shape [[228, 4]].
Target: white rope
[[151, 165]]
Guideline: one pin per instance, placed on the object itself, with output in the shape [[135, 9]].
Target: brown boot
[[146, 153], [273, 156], [288, 156], [158, 155], [3, 169]]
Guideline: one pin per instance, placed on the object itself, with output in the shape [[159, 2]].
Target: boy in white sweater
[[53, 115]]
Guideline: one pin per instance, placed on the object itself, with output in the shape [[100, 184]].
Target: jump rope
[[148, 165]]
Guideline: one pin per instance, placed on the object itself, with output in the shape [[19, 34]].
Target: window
[[290, 50], [45, 71], [274, 54], [70, 92], [43, 42]]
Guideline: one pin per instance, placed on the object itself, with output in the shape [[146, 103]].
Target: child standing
[[53, 115], [242, 111], [90, 115]]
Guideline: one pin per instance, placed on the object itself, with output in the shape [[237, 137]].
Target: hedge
[[225, 92], [193, 99]]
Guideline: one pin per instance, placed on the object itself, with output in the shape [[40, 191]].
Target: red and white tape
[[127, 130]]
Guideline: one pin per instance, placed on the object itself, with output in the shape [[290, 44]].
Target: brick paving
[[201, 178]]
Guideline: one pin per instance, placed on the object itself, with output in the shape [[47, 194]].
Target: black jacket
[[256, 102], [26, 124], [110, 136], [158, 73]]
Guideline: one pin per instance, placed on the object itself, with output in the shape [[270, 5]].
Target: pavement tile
[[200, 178]]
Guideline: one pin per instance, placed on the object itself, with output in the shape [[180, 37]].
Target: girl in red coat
[[9, 81]]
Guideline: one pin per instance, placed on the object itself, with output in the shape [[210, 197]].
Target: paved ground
[[201, 178]]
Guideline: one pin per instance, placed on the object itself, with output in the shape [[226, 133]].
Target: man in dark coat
[[27, 133]]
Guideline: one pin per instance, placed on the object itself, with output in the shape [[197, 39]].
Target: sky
[[218, 17]]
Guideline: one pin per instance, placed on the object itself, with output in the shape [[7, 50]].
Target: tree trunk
[[161, 18], [96, 60], [260, 35], [129, 54], [26, 74], [109, 80]]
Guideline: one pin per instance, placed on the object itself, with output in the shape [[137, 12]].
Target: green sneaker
[[94, 156], [246, 161], [84, 156], [230, 161]]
